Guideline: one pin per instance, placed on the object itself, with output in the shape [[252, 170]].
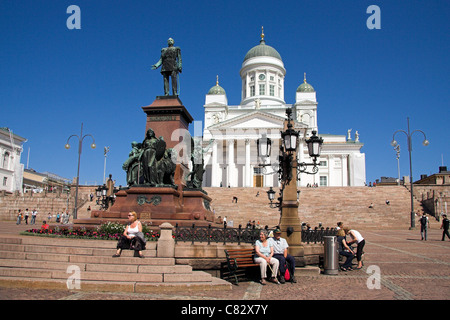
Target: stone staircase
[[41, 262], [326, 205]]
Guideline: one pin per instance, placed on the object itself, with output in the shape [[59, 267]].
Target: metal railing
[[214, 234], [238, 235], [316, 235]]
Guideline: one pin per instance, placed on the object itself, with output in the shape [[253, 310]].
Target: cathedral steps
[[48, 263], [326, 205]]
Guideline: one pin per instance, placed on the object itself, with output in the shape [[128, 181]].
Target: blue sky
[[52, 79]]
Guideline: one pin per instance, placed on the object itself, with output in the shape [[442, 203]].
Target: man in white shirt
[[280, 246]]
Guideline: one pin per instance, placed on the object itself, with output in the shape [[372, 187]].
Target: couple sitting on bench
[[272, 252]]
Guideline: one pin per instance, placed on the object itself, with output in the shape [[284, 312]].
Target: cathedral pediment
[[253, 120]]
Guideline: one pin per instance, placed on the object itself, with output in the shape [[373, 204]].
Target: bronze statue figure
[[132, 165], [195, 177], [153, 151], [166, 168], [171, 65], [149, 163]]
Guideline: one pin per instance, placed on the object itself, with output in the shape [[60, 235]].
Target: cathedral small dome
[[217, 89], [305, 86]]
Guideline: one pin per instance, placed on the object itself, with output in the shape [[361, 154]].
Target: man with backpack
[[424, 224]]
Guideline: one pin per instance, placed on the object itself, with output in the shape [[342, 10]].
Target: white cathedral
[[231, 131]]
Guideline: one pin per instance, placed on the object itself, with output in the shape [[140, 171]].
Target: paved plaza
[[397, 266]]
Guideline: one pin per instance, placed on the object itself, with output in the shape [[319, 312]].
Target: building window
[[5, 160], [262, 89], [5, 181], [252, 91], [258, 170], [322, 163], [272, 90], [323, 181]]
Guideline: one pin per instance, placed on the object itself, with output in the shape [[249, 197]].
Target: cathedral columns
[[230, 163], [214, 166], [344, 170], [248, 174]]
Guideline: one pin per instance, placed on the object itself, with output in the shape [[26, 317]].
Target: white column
[[214, 166], [344, 170], [330, 169], [247, 164], [230, 163]]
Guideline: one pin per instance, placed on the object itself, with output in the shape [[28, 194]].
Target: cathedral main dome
[[262, 74], [262, 50]]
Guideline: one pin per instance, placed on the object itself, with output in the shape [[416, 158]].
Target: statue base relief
[[156, 205]]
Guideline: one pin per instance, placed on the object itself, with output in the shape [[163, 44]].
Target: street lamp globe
[[264, 146], [290, 137], [67, 146], [394, 143], [93, 146], [271, 194], [314, 145], [425, 142]]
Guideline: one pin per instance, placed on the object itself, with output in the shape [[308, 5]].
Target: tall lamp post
[[409, 140], [397, 150], [80, 147], [289, 169], [105, 153]]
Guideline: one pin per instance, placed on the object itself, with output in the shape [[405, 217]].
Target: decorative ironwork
[[316, 235], [143, 199], [216, 235], [239, 235]]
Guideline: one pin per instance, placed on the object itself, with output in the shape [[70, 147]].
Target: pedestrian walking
[[26, 215], [424, 224], [33, 216], [19, 217], [445, 225]]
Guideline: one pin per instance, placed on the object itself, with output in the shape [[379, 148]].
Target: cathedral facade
[[231, 132]]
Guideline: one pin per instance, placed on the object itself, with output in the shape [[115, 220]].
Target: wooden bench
[[238, 260]]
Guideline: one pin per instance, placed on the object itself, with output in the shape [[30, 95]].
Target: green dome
[[262, 50], [305, 87], [216, 90]]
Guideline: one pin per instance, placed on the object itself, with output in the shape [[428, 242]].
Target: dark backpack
[[423, 221]]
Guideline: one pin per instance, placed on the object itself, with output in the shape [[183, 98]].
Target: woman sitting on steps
[[132, 237]]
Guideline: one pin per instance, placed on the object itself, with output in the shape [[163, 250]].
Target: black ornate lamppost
[[287, 159], [80, 147], [425, 142], [289, 168], [102, 199], [271, 196]]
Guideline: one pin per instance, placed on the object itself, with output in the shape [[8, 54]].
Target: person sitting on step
[[132, 237]]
